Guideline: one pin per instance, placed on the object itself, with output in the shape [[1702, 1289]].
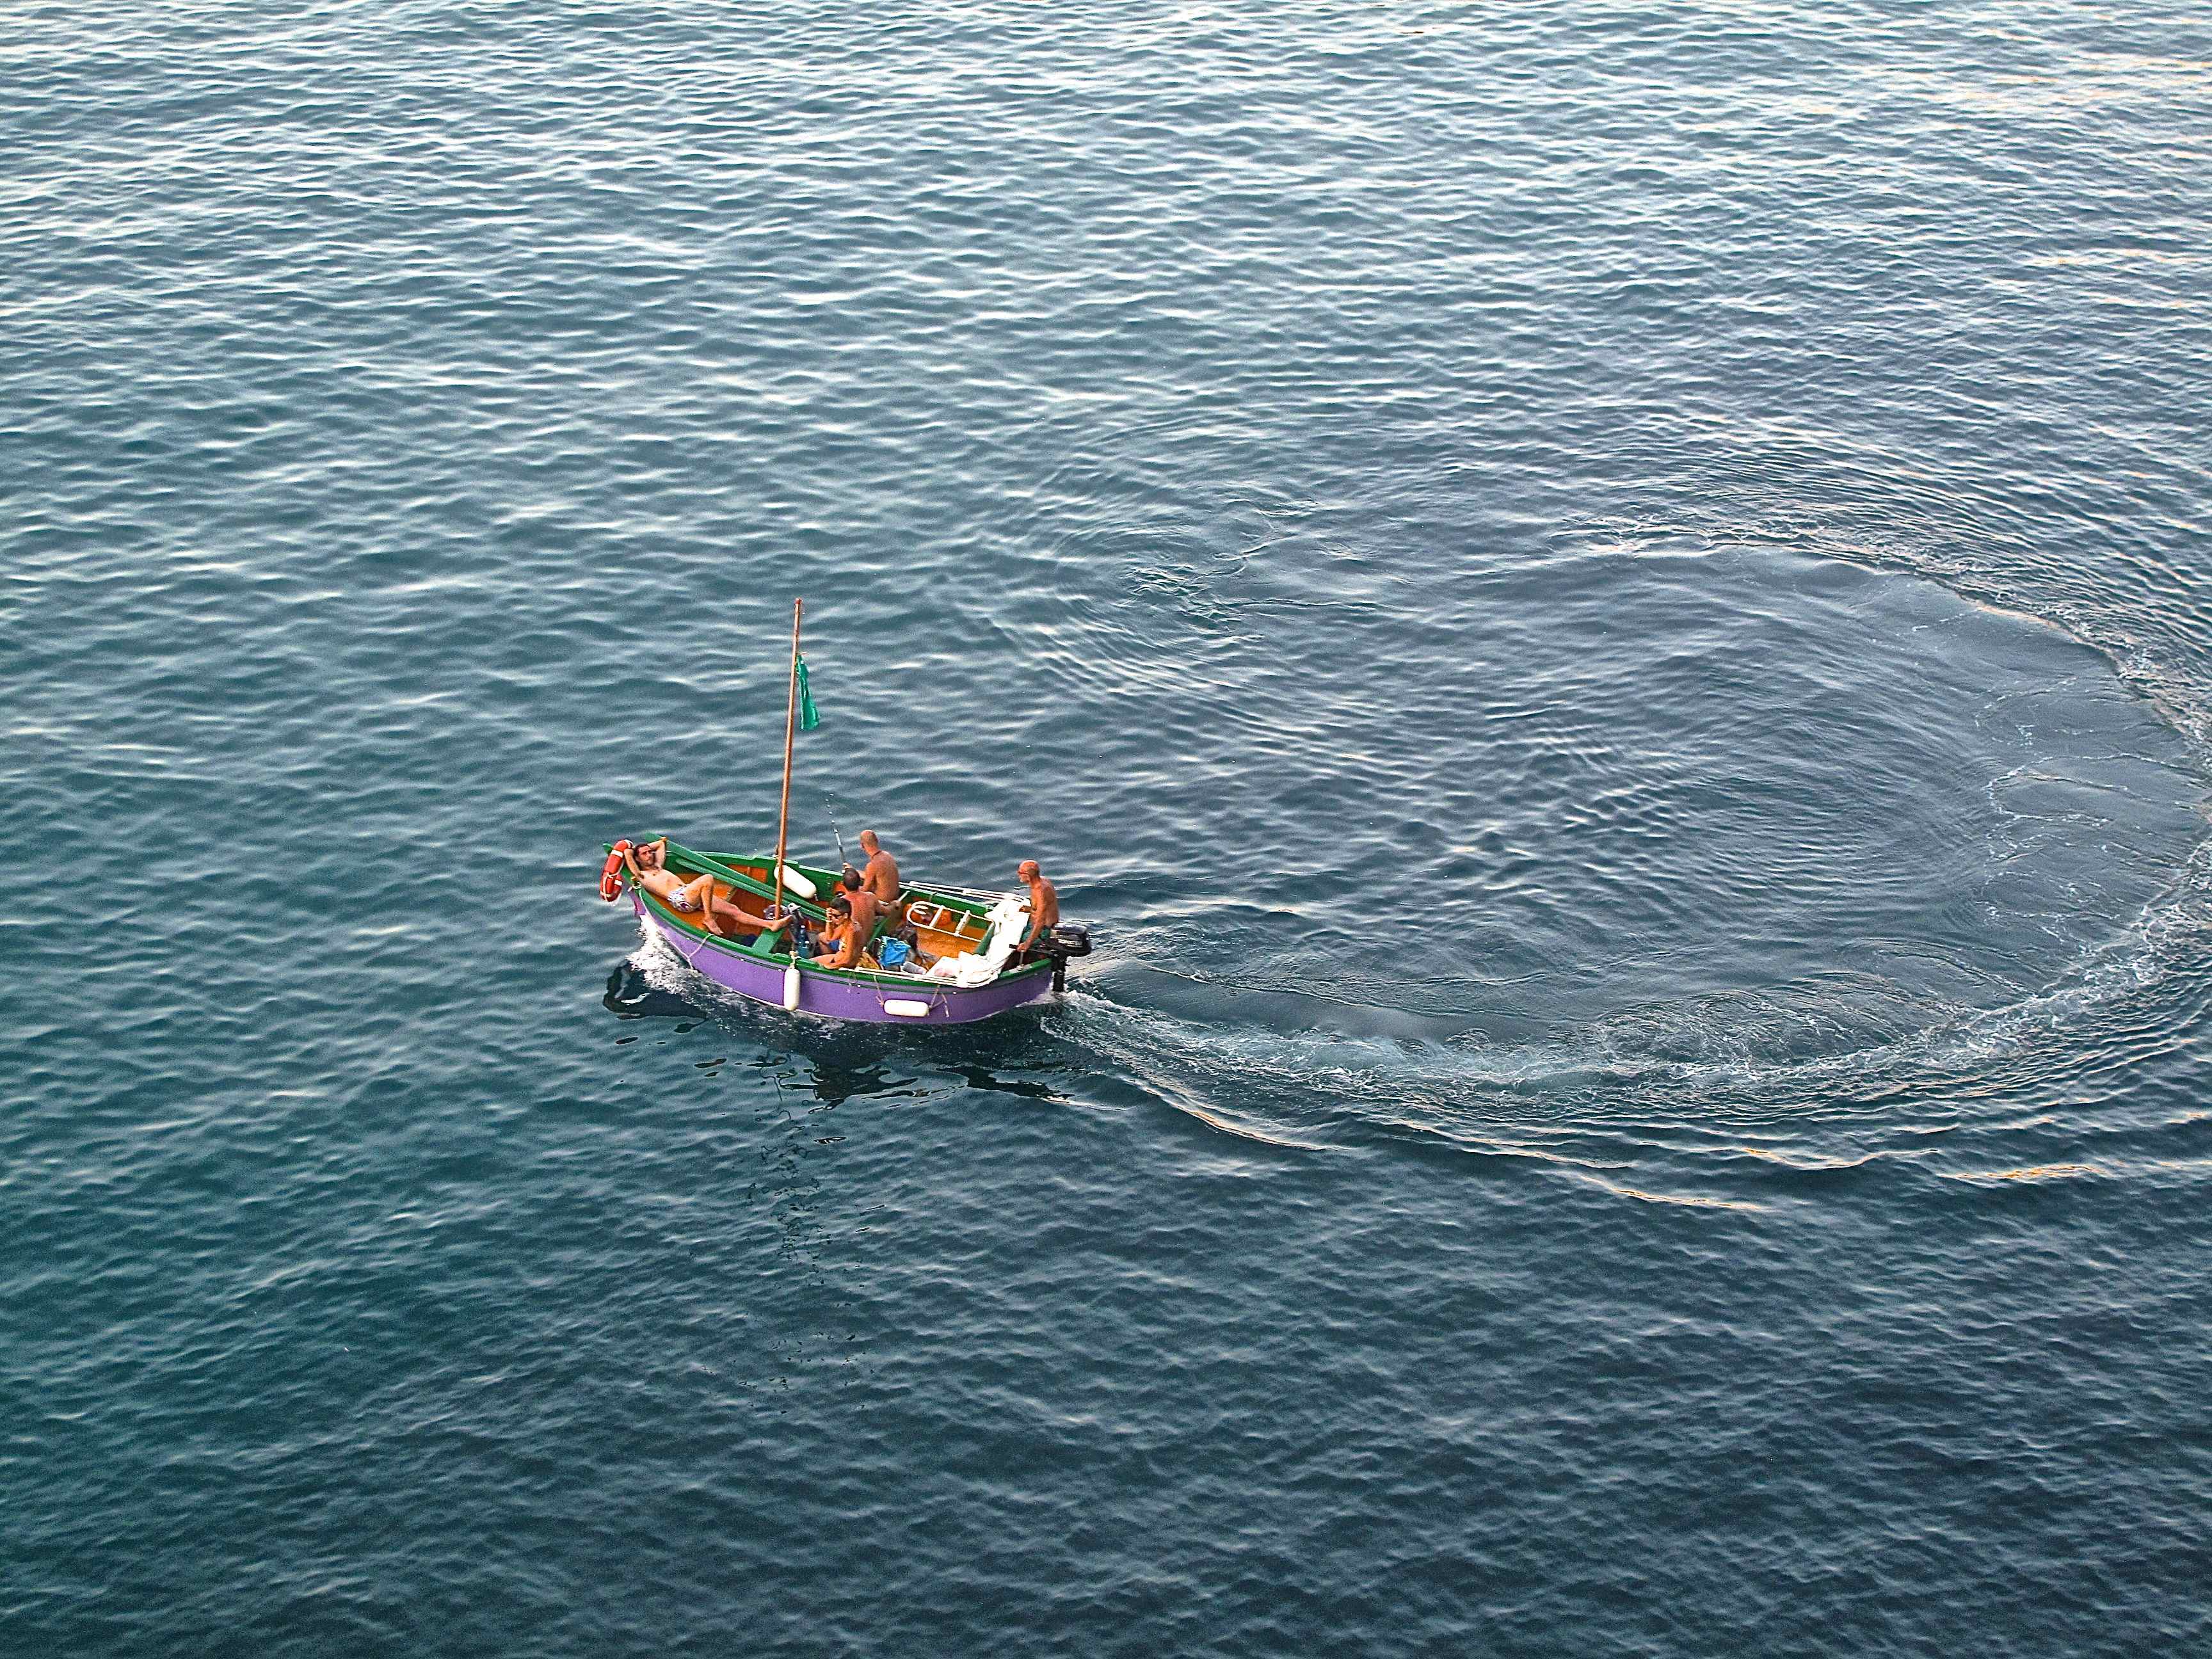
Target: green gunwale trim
[[911, 890], [699, 864], [708, 865]]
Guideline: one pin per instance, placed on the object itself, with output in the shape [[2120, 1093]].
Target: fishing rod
[[934, 886], [971, 892]]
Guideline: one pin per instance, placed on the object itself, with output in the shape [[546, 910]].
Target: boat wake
[[1674, 1106], [1819, 1062]]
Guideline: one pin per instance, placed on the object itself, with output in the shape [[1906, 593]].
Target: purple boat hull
[[870, 1000]]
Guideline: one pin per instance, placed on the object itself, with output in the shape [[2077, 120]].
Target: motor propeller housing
[[1060, 943]]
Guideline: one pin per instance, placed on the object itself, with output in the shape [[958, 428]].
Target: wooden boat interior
[[743, 900], [945, 926]]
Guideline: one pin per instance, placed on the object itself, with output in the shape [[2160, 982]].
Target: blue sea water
[[1603, 607]]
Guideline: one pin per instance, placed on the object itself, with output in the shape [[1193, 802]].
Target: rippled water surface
[[1603, 608]]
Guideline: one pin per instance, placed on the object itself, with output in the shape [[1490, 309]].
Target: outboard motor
[[1060, 943]]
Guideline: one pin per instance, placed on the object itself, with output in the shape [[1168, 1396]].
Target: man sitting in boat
[[880, 875], [844, 936], [648, 868], [881, 878], [865, 910], [861, 906], [1044, 910]]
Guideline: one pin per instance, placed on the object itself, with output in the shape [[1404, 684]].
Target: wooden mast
[[783, 813]]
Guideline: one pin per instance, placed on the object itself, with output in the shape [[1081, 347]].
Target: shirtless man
[[648, 868], [880, 876], [836, 926], [845, 939], [1044, 910], [853, 888]]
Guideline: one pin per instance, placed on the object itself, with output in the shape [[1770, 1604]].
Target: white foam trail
[[1179, 1056]]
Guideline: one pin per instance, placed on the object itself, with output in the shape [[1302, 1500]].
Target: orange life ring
[[611, 873]]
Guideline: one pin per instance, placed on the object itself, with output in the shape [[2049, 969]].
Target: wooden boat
[[948, 924], [970, 940]]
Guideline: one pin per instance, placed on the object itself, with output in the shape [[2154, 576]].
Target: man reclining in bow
[[648, 868]]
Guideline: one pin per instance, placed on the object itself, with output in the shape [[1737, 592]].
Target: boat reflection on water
[[849, 1061], [631, 994]]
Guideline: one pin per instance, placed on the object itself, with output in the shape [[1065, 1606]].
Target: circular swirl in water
[[1795, 809]]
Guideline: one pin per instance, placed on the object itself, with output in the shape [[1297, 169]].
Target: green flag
[[808, 720]]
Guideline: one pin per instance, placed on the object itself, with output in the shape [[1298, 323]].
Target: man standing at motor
[[1044, 910]]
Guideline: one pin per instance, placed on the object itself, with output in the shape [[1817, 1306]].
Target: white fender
[[906, 1007], [790, 990], [797, 883]]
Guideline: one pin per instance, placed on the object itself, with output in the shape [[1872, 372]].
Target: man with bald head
[[880, 874], [1044, 910]]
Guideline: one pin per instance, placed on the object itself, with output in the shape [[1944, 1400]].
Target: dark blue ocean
[[1602, 607]]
